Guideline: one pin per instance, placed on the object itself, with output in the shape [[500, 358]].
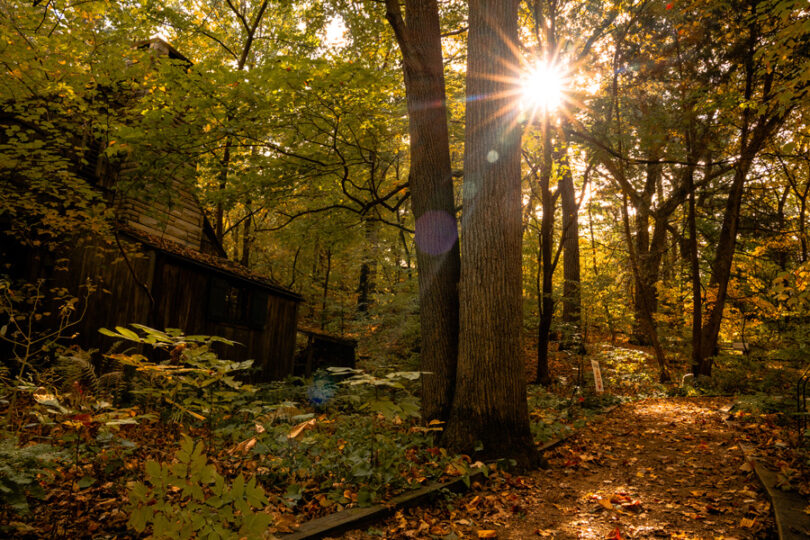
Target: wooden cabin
[[149, 278], [165, 268]]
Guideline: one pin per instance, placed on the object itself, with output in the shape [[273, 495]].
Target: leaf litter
[[656, 468]]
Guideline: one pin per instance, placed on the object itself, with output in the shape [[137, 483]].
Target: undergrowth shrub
[[746, 374], [192, 380], [190, 499], [20, 468]]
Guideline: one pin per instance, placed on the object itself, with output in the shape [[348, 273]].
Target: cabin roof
[[209, 262]]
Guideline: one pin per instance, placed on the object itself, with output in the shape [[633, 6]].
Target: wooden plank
[[792, 523], [354, 518]]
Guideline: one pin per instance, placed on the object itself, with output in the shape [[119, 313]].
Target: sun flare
[[543, 87]]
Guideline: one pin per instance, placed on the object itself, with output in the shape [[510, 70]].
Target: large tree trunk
[[490, 405], [431, 186]]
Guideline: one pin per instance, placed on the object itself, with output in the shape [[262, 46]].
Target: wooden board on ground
[[792, 523]]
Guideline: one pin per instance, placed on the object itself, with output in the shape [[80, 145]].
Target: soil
[[657, 468]]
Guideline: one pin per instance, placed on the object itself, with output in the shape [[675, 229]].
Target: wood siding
[[180, 222], [119, 298], [181, 292]]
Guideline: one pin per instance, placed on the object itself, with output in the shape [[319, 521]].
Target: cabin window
[[234, 303]]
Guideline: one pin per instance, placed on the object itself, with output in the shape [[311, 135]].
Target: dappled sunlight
[[650, 469], [672, 411]]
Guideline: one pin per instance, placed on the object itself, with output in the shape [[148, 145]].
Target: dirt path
[[650, 469]]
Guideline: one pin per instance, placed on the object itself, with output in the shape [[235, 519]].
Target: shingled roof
[[210, 262]]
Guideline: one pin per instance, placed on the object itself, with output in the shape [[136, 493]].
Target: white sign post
[[597, 377]]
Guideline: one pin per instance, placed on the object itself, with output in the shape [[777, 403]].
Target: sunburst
[[543, 88]]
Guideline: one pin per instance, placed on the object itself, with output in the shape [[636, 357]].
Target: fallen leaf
[[300, 428]]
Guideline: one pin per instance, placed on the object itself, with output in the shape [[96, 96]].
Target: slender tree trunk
[[219, 217], [405, 249], [247, 238], [571, 301], [368, 268], [597, 276], [802, 228], [250, 37], [431, 186], [324, 315], [697, 292], [546, 234], [490, 405]]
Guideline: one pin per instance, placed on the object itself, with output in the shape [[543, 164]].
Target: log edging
[[354, 518]]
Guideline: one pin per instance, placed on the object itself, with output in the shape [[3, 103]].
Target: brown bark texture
[[571, 300], [490, 412], [546, 258], [431, 187]]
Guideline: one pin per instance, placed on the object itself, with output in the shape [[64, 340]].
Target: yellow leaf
[[487, 534], [605, 504], [300, 428]]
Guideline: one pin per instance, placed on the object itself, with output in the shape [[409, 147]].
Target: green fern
[[74, 369], [77, 370]]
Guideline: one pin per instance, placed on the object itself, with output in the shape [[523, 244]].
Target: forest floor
[[656, 468]]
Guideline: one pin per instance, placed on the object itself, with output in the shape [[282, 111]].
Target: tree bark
[[647, 320], [546, 233], [431, 186], [697, 292], [571, 300], [646, 297], [753, 136], [490, 411], [247, 239], [324, 312], [368, 268]]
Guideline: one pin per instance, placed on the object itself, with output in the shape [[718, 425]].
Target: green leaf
[[294, 492], [86, 481], [137, 519], [109, 333], [127, 333], [238, 487], [153, 471]]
